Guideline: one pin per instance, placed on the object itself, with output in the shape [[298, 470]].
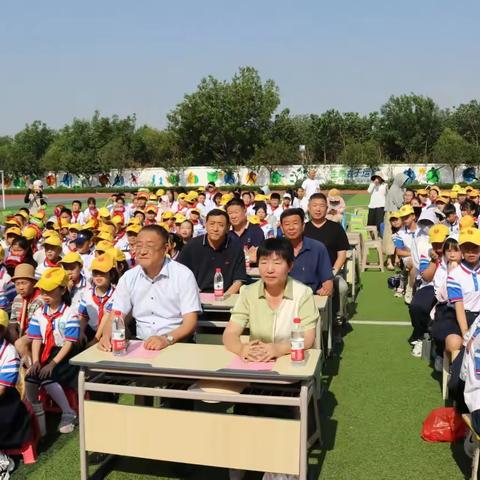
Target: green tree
[[409, 126], [28, 147], [326, 136], [361, 153], [222, 123], [452, 149], [465, 119]]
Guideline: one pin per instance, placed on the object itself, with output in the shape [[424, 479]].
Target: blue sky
[[61, 59]]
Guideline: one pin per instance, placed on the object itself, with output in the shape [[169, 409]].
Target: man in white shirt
[[161, 294], [311, 185]]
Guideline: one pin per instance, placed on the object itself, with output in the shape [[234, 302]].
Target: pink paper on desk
[[207, 297], [238, 364], [136, 349]]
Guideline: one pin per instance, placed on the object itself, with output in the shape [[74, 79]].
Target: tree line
[[231, 123]]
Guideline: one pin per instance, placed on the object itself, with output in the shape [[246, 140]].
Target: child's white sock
[[58, 396]]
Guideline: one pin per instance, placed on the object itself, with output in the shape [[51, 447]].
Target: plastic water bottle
[[297, 352], [247, 257], [119, 341], [218, 284]]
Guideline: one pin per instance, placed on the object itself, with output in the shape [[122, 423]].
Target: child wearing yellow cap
[[53, 248], [72, 263], [95, 300], [14, 418], [54, 330]]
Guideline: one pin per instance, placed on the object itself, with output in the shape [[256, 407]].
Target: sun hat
[[53, 278], [24, 270]]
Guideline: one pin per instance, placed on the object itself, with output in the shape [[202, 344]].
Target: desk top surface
[[195, 360]]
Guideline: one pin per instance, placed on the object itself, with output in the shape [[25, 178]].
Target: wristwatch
[[170, 339]]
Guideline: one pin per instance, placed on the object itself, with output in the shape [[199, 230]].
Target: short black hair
[[160, 231], [235, 202], [66, 210], [279, 246], [77, 201], [259, 205], [449, 209], [91, 200], [211, 184], [216, 212], [291, 212], [318, 196], [275, 195]]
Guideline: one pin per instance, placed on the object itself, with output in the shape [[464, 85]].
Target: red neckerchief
[[75, 216], [93, 212], [273, 208], [50, 264], [263, 223], [150, 222], [120, 235], [101, 301], [23, 312], [49, 338]]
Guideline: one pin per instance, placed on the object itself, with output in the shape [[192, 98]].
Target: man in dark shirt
[[248, 234], [312, 264], [203, 254], [333, 236]]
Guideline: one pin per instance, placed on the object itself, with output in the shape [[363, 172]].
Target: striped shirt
[[463, 285], [9, 364], [17, 305], [65, 328], [7, 290]]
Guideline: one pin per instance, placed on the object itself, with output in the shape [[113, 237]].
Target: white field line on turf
[[373, 322]]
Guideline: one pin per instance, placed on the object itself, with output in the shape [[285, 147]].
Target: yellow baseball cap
[[103, 246], [53, 240], [473, 193], [180, 218], [167, 215], [393, 215], [456, 187], [181, 195], [434, 187], [226, 197], [75, 226], [134, 221], [23, 214], [461, 191], [151, 208], [200, 189], [104, 263], [422, 191], [469, 188], [133, 229], [453, 195], [103, 235], [72, 257], [116, 254], [254, 220], [195, 210], [405, 211], [467, 221], [49, 233], [29, 233], [89, 225], [117, 220], [160, 192], [442, 199], [53, 278], [13, 231], [438, 233], [469, 235], [103, 212], [4, 321]]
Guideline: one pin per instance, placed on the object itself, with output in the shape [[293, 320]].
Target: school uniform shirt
[[7, 290], [88, 214], [39, 255], [404, 238], [66, 327], [275, 212], [87, 259], [9, 364], [92, 306], [267, 229], [76, 293], [198, 229], [78, 217], [423, 264], [41, 267], [454, 229], [463, 285], [440, 282], [157, 304]]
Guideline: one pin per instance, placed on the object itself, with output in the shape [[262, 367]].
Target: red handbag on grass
[[443, 424]]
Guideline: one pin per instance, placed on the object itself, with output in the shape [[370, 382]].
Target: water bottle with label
[[247, 257], [218, 284], [297, 352], [119, 341]]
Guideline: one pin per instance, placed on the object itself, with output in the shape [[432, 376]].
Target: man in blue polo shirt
[[312, 264]]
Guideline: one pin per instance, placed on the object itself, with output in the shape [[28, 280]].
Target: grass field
[[377, 397]]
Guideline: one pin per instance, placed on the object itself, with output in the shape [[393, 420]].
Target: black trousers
[[375, 217], [422, 303]]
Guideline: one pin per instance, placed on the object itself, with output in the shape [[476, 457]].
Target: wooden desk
[[191, 436]]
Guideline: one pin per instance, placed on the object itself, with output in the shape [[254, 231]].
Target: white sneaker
[[438, 364], [408, 295], [7, 466], [417, 348], [398, 293], [67, 423]]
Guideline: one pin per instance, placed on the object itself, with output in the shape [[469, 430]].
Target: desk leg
[[330, 326], [81, 414], [303, 431]]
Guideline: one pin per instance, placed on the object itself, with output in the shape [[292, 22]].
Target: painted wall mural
[[281, 175]]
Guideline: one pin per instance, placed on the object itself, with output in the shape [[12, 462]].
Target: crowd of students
[[436, 244], [62, 276]]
